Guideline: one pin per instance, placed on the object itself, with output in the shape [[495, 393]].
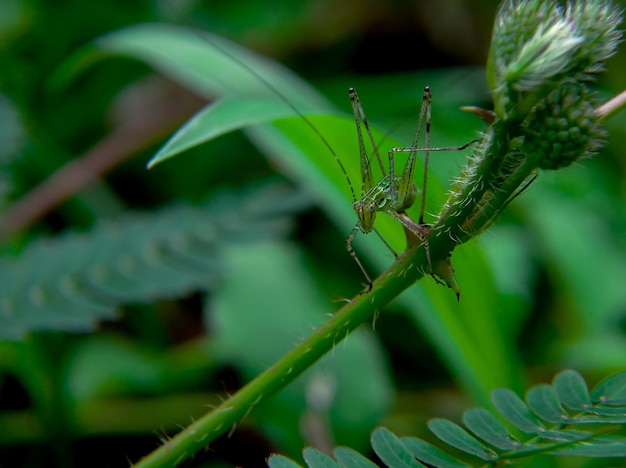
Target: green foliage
[[83, 277], [541, 292], [249, 89], [562, 419]]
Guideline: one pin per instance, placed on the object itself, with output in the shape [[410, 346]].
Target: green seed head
[[539, 44], [563, 129]]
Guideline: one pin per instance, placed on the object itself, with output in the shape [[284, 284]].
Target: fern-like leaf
[[572, 390], [611, 391], [352, 459], [459, 438], [516, 411], [430, 454], [552, 415], [314, 457], [77, 279], [280, 461], [484, 424], [391, 450]]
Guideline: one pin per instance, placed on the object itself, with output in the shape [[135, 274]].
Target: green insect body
[[392, 194]]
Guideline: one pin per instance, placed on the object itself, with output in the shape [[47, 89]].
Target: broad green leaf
[[545, 403], [220, 117], [572, 390], [515, 410], [459, 438], [316, 459], [352, 459], [600, 447], [280, 461], [204, 63], [430, 454], [611, 391], [391, 450], [484, 424]]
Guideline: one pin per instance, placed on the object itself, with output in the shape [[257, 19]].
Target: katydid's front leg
[[367, 206], [353, 254]]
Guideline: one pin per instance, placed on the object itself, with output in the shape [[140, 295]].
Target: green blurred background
[[104, 391]]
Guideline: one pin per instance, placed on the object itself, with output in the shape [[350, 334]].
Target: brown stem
[[612, 106], [138, 133]]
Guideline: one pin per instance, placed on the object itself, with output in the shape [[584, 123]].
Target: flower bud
[[563, 128]]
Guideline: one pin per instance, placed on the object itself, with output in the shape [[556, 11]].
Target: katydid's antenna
[[271, 87]]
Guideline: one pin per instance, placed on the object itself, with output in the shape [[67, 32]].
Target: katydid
[[392, 194]]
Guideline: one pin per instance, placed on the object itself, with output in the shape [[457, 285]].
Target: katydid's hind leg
[[427, 98], [380, 236], [403, 189], [353, 254], [425, 119], [359, 117], [426, 102]]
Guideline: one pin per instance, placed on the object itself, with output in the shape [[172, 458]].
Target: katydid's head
[[366, 213]]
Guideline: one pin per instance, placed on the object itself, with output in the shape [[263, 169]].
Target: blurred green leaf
[[222, 116], [572, 390], [279, 461], [351, 458], [72, 282], [430, 454], [315, 458], [457, 437], [351, 386], [545, 403], [515, 410], [611, 391], [205, 63]]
